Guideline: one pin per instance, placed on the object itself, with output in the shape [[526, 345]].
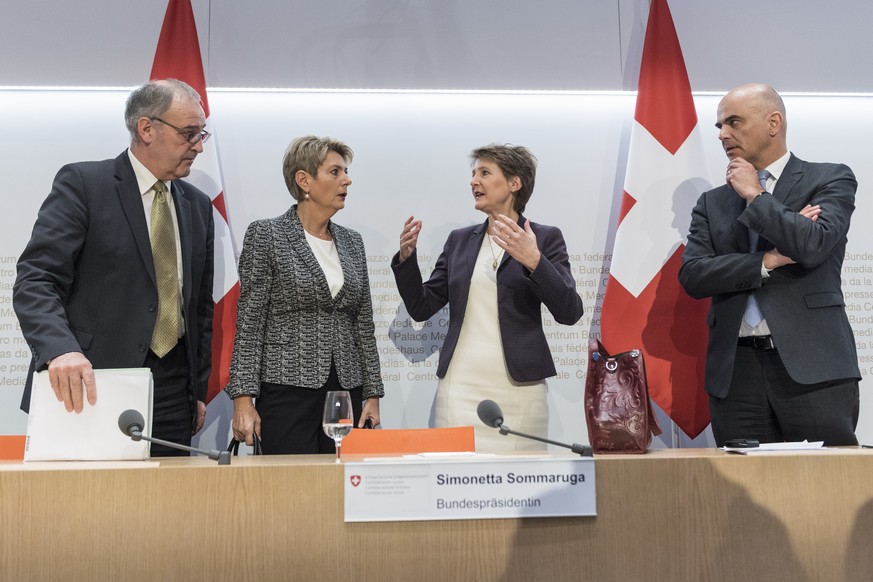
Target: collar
[[145, 180], [777, 167]]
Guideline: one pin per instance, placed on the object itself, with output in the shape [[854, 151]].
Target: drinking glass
[[338, 418]]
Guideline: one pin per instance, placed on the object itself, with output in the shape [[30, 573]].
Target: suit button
[[143, 347], [152, 307]]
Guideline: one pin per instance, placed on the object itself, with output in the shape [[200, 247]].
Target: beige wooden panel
[[671, 516]]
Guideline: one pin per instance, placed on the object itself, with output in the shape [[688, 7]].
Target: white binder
[[53, 434]]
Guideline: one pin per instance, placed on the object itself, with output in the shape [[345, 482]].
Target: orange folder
[[12, 447], [409, 441]]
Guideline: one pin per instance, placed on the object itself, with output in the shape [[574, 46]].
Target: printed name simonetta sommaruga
[[511, 478]]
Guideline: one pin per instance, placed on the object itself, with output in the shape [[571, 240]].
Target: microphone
[[131, 423], [489, 412]]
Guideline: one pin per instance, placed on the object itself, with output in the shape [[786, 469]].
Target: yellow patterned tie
[[166, 333]]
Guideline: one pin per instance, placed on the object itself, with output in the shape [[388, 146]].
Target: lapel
[[477, 235], [129, 195], [735, 206], [300, 247], [791, 175], [183, 216], [347, 256]]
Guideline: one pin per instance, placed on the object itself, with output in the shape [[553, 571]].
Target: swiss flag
[[178, 57], [645, 307]]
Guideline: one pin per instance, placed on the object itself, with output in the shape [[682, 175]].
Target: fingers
[[371, 411], [199, 416], [246, 421], [67, 374], [55, 381], [508, 234], [773, 259], [742, 177], [811, 212], [76, 396], [409, 237], [90, 386]]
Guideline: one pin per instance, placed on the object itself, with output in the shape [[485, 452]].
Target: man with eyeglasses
[[118, 270]]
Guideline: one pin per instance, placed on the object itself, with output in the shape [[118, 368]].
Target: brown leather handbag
[[617, 406]]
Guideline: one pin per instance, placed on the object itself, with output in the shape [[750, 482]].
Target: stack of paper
[[53, 434]]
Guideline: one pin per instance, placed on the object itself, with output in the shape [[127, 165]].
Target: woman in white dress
[[494, 276]]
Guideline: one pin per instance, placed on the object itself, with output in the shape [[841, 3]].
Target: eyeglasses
[[191, 137]]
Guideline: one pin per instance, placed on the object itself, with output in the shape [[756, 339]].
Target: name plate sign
[[494, 487]]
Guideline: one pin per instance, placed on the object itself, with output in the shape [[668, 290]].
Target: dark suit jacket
[[289, 328], [520, 294], [86, 280], [803, 303]]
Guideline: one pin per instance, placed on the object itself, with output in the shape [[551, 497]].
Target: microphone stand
[[582, 450], [223, 457]]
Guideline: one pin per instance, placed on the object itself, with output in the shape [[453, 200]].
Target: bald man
[[767, 247]]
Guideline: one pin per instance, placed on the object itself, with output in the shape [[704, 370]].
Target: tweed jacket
[[520, 296], [289, 328], [803, 302]]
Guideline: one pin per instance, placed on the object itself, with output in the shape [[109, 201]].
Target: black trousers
[[765, 404], [172, 406], [291, 417]]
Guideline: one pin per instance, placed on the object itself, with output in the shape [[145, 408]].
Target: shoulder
[[465, 232], [543, 229], [543, 232], [344, 233], [722, 192], [266, 225], [825, 170], [89, 170]]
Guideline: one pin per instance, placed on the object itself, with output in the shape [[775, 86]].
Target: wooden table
[[684, 515]]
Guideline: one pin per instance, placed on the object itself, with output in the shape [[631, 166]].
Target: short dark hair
[[514, 162]]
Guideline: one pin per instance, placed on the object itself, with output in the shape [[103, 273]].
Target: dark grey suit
[[803, 302], [86, 280]]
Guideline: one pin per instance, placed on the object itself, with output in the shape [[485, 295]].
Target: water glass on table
[[338, 417]]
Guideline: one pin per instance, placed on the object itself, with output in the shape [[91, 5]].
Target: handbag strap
[[653, 420], [233, 447]]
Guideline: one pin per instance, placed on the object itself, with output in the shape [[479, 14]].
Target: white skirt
[[478, 372]]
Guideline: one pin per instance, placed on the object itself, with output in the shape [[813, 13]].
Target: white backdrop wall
[[411, 147], [411, 158]]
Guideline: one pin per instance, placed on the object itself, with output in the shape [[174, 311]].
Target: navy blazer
[[803, 303], [86, 280], [520, 294]]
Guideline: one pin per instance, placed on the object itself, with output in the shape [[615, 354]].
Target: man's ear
[[775, 120], [145, 130]]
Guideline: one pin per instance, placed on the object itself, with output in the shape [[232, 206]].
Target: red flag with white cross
[[644, 306], [178, 57]]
